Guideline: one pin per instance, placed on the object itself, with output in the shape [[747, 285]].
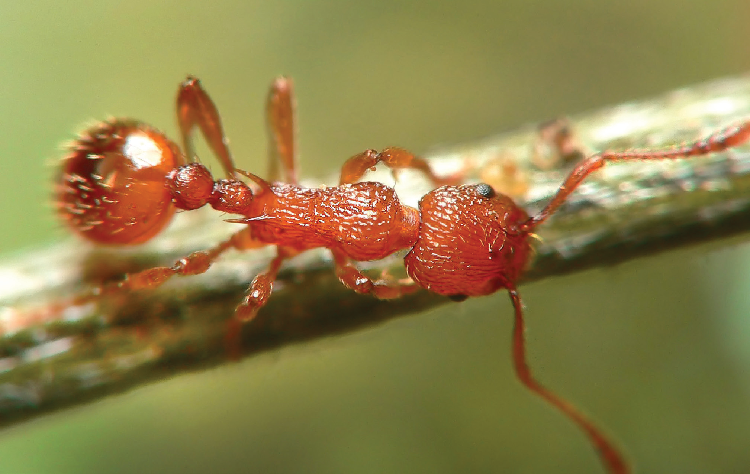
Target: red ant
[[123, 180]]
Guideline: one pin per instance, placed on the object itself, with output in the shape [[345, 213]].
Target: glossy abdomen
[[112, 186]]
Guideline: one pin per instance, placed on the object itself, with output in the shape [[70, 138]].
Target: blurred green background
[[657, 350]]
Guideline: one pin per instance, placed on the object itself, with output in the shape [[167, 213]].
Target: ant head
[[470, 242], [111, 189]]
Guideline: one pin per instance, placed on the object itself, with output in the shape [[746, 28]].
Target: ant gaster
[[122, 181]]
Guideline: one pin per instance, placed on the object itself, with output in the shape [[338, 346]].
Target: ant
[[122, 181]]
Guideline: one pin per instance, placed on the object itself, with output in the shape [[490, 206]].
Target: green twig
[[53, 356]]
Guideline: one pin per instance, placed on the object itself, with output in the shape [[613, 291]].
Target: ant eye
[[485, 190]]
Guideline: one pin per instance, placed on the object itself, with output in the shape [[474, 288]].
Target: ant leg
[[611, 456], [355, 280], [505, 176], [256, 297], [716, 142], [394, 158], [195, 107], [194, 264], [261, 287], [281, 131], [556, 145]]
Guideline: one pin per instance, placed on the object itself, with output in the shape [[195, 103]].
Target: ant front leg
[[281, 131], [394, 158], [610, 454], [355, 280], [195, 108]]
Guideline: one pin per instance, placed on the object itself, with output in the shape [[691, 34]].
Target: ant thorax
[[365, 221]]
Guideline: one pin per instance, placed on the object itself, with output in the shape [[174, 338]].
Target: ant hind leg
[[281, 131], [256, 297], [195, 108], [194, 264]]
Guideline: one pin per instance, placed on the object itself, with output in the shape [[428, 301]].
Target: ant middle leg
[[394, 158], [354, 279]]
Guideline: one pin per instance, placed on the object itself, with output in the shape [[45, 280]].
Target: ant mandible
[[122, 181]]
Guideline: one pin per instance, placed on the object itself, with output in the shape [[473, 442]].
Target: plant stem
[[53, 355]]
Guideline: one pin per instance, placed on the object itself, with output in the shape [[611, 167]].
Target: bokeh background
[[657, 350]]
